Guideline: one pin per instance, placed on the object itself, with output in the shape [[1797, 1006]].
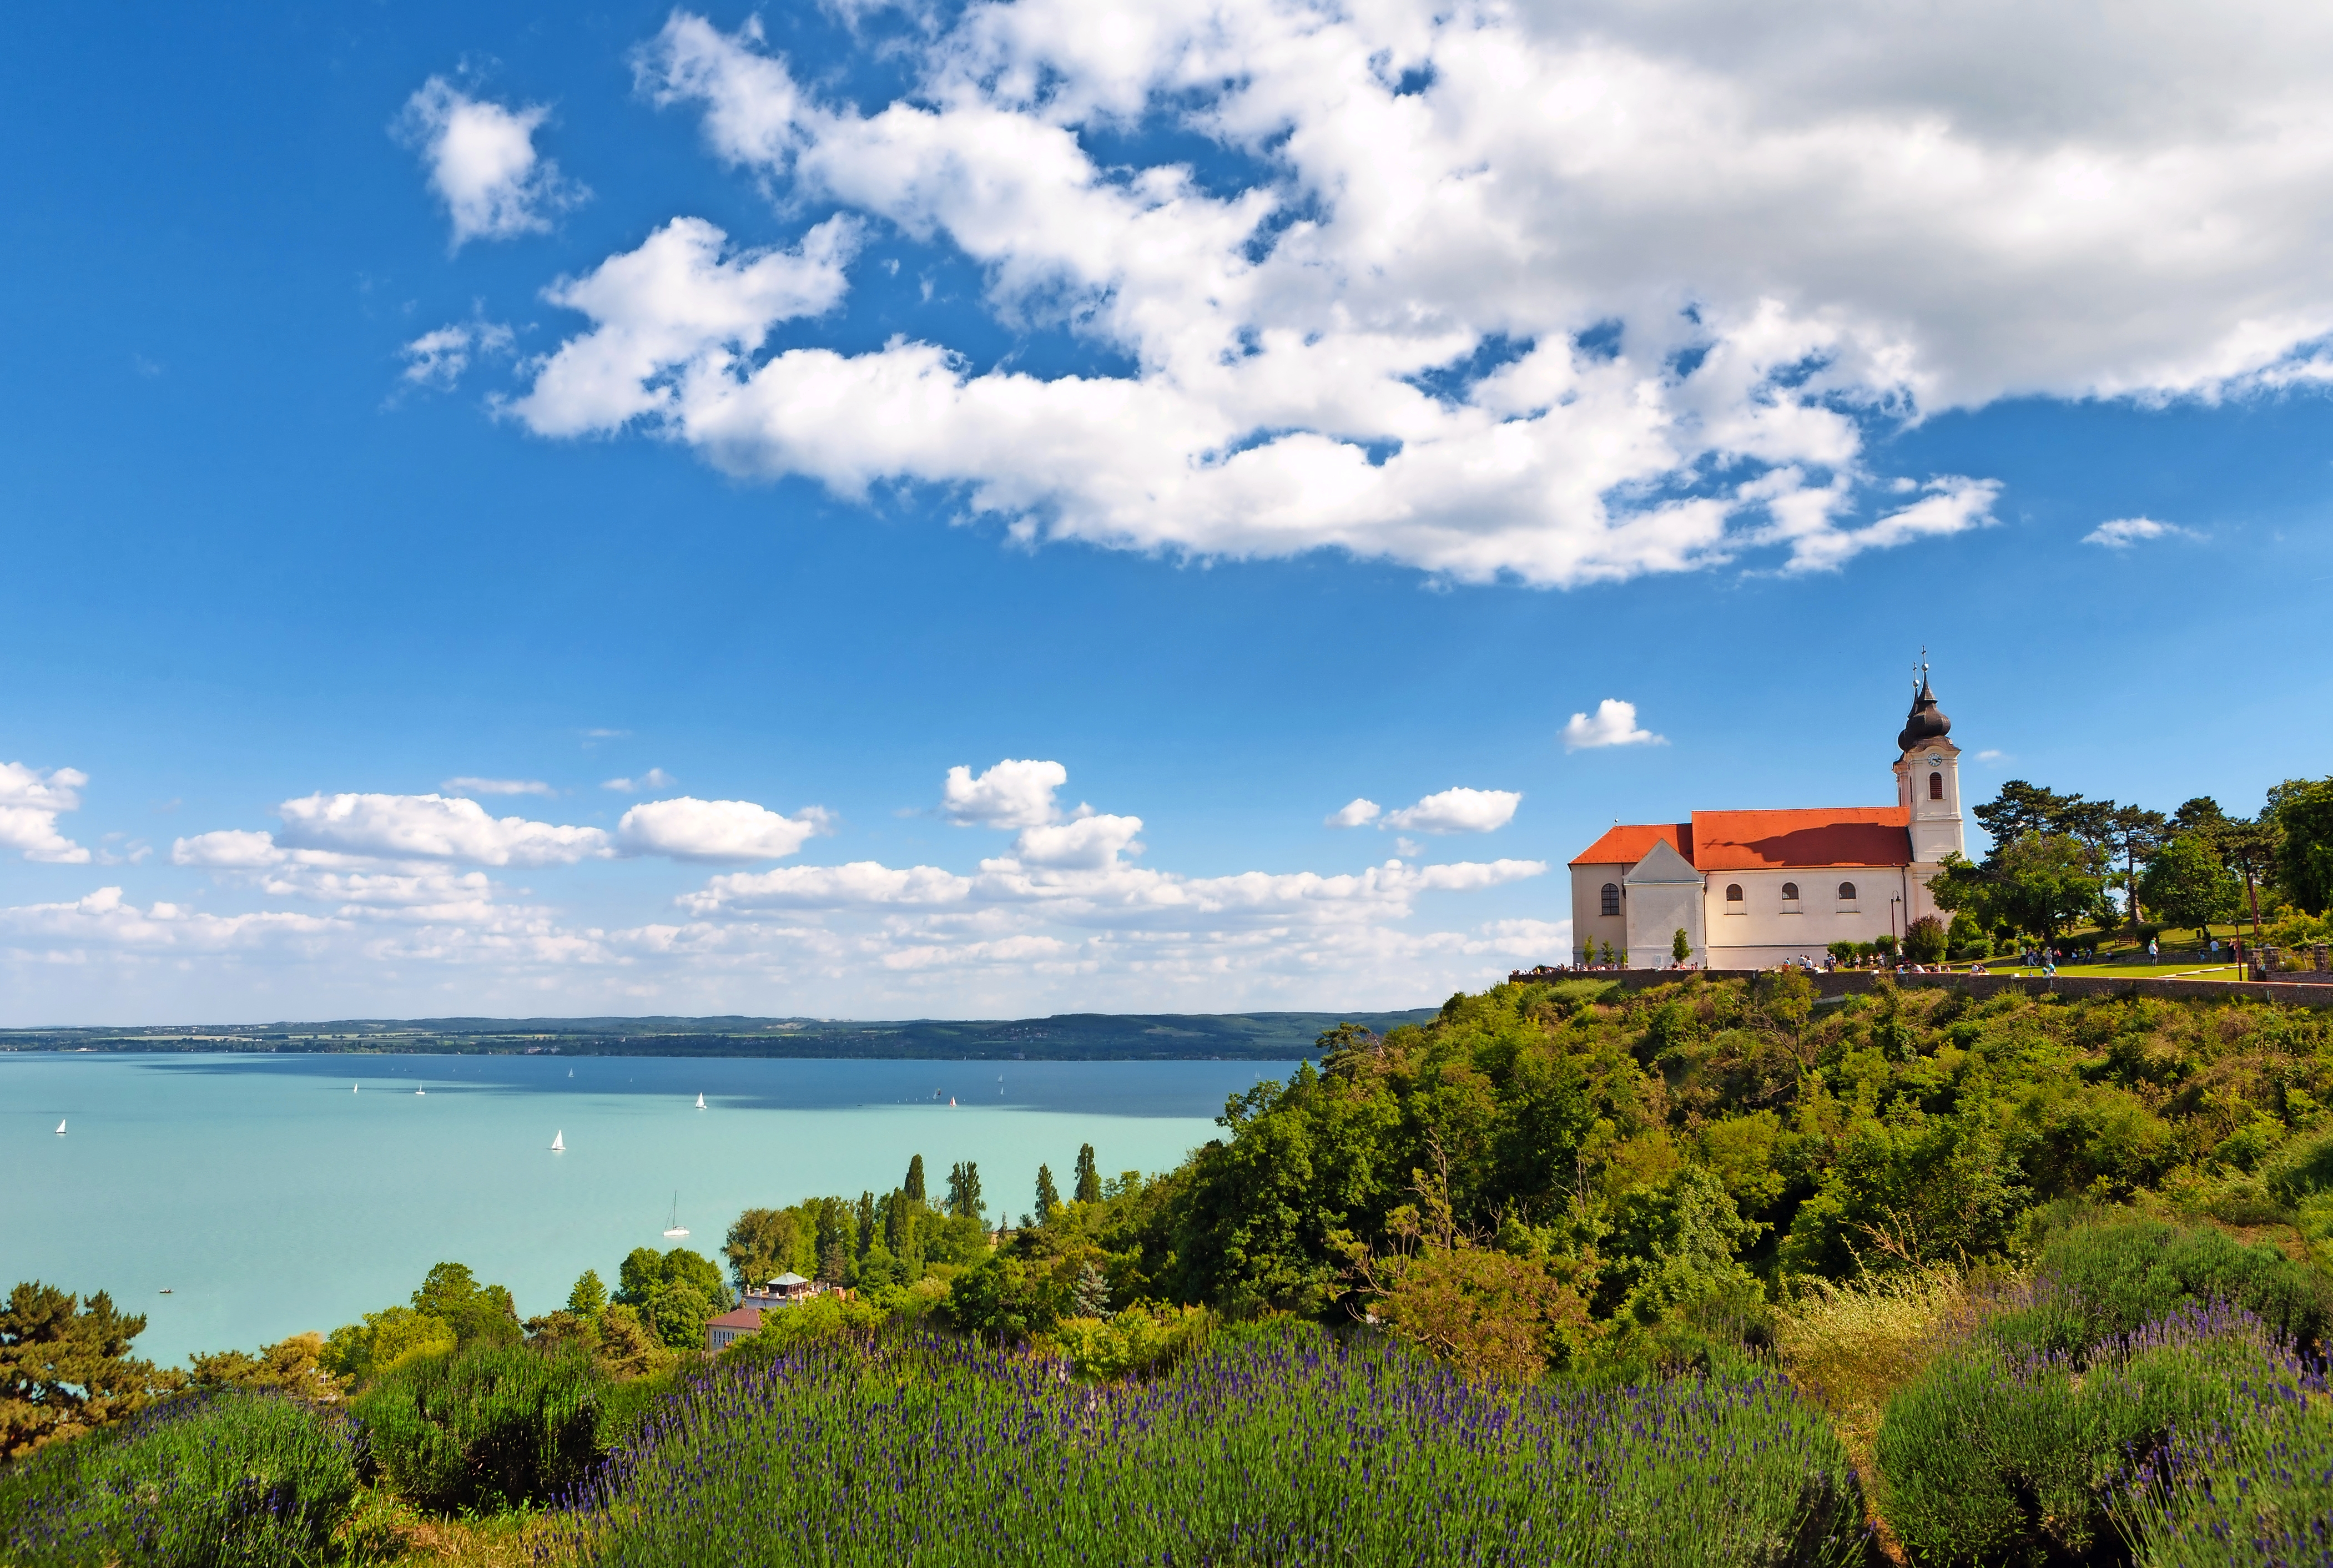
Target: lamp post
[[1891, 925]]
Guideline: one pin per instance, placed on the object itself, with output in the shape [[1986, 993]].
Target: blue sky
[[1220, 414]]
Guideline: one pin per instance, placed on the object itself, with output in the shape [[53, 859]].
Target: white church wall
[[1588, 923], [1764, 919]]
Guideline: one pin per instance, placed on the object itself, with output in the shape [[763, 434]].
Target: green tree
[[1086, 1182], [764, 1244], [477, 1314], [963, 1191], [2302, 810], [915, 1186], [65, 1366], [2136, 835], [1966, 939], [2187, 885], [1049, 1197], [2024, 810], [1680, 947], [678, 1312], [1925, 940], [639, 1277], [2035, 885], [588, 1296], [2248, 847]]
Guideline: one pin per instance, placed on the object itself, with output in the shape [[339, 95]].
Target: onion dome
[[1927, 721]]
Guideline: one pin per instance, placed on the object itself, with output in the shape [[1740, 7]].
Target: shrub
[[489, 1428], [2251, 1489], [1143, 1339], [1924, 940], [1851, 1346], [1995, 1454], [2093, 1282], [231, 1478], [2303, 1169]]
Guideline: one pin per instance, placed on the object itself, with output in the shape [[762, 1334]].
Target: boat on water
[[676, 1228], [558, 1142], [164, 1291], [951, 1100], [422, 1092], [60, 1130], [700, 1101]]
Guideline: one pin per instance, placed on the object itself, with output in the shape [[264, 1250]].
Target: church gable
[[1662, 865]]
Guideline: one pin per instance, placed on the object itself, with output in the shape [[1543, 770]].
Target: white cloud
[[1615, 724], [655, 778], [483, 163], [1990, 756], [1085, 844], [1492, 290], [1457, 810], [393, 827], [496, 786], [1012, 794], [30, 804], [687, 829], [1358, 811], [2123, 533], [673, 315], [437, 359]]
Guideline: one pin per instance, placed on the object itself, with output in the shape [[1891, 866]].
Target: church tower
[[1928, 777]]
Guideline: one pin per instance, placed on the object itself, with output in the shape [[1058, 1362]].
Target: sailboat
[[676, 1229], [60, 1130], [700, 1101], [422, 1092], [352, 1089], [558, 1142]]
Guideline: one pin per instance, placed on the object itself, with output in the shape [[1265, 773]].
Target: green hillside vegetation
[[2015, 1280]]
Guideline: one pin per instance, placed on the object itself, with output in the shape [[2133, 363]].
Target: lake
[[269, 1198]]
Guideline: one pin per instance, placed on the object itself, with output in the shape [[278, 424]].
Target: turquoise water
[[269, 1198]]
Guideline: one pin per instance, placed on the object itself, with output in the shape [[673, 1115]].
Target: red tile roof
[[1624, 846], [737, 1318], [1824, 836]]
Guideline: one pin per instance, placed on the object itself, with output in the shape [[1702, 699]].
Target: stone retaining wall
[[1843, 982]]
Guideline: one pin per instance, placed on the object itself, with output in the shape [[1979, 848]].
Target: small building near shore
[[787, 1289], [732, 1326]]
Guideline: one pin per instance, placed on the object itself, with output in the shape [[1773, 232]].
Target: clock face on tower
[[1935, 759]]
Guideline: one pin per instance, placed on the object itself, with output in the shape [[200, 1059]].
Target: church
[[1752, 889]]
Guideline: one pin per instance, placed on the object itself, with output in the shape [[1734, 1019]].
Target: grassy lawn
[[2182, 970]]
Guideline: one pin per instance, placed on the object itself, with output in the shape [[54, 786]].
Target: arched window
[[1732, 896], [1790, 893], [1847, 892], [1611, 898], [1936, 787]]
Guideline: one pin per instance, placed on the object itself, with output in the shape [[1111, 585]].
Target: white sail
[[558, 1142], [700, 1103], [678, 1228], [60, 1130]]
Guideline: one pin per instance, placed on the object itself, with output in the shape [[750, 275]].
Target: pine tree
[[1089, 1175], [915, 1187], [1049, 1197], [867, 1222], [1091, 1297], [588, 1296]]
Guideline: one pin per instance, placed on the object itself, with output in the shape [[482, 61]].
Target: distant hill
[[1064, 1037]]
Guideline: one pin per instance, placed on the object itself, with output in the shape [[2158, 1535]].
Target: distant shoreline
[[1063, 1037]]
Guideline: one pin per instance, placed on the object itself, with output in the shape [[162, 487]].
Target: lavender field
[[1280, 1447]]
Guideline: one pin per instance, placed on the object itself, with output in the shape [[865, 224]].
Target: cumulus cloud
[[1011, 795], [1087, 842], [687, 829], [1358, 811], [1615, 724], [1457, 810], [483, 163], [496, 786], [437, 359], [675, 314], [1560, 295], [2122, 533], [655, 778], [394, 827], [30, 802]]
